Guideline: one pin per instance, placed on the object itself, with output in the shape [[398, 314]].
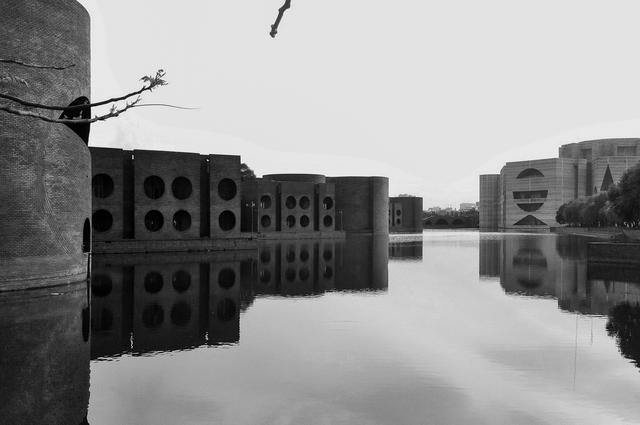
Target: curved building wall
[[362, 204], [593, 149], [301, 178], [45, 168]]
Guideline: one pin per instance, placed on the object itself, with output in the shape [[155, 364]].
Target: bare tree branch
[[274, 27], [153, 81], [32, 65]]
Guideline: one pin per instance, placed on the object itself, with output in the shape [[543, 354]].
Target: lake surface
[[448, 327]]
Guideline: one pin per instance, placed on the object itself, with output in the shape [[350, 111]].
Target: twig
[[274, 27], [153, 83], [31, 65], [114, 112]]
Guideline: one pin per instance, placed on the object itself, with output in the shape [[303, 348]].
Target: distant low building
[[467, 206], [527, 194]]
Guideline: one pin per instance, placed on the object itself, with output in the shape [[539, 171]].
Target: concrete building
[[405, 214], [147, 201], [527, 194]]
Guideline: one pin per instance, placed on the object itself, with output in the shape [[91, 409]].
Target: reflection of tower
[[44, 356], [111, 309], [224, 302], [296, 269], [406, 250], [531, 265], [363, 263], [268, 270], [166, 307], [490, 254], [324, 260]]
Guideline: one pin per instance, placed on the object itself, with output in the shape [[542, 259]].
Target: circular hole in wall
[[290, 202], [291, 221], [153, 316], [328, 273], [304, 221], [153, 282], [304, 203], [227, 189], [265, 276], [226, 278], [102, 220], [290, 275], [304, 274], [181, 220], [153, 220], [153, 187], [327, 221], [227, 220], [327, 254], [265, 221], [102, 185], [304, 255], [265, 256], [291, 254], [327, 203], [181, 187], [181, 280], [265, 202]]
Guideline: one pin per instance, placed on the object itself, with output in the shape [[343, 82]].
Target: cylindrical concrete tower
[[362, 204], [45, 168]]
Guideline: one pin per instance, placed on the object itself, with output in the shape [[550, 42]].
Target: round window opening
[[304, 255], [181, 281], [304, 221], [265, 276], [102, 185], [304, 274], [265, 256], [153, 316], [226, 278], [327, 203], [153, 220], [101, 285], [227, 220], [153, 187], [327, 254], [265, 221], [182, 220], [290, 202], [102, 220], [291, 221], [327, 221], [181, 187], [265, 202], [227, 189], [304, 203], [153, 282]]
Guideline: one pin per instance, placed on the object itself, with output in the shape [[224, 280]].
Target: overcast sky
[[428, 93]]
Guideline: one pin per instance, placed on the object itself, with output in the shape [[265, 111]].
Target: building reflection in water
[[44, 356], [148, 303], [557, 267]]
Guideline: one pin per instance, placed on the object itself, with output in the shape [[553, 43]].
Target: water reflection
[[557, 267], [161, 302], [44, 356]]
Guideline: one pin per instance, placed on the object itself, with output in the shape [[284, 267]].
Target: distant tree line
[[619, 206]]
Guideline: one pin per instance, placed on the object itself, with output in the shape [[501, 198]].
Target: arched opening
[[327, 203], [153, 282], [78, 111], [102, 185], [442, 222], [304, 203], [153, 220], [227, 189], [102, 220], [458, 222], [181, 187], [304, 274], [153, 187], [227, 220], [304, 221], [265, 221], [265, 202], [327, 221], [182, 221], [291, 221], [530, 207], [86, 236], [530, 173]]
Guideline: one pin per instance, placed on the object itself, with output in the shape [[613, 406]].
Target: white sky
[[428, 93]]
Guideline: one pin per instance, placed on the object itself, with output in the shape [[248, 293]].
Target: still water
[[441, 328]]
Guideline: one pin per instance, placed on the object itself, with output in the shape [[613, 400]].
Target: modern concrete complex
[[45, 168], [527, 194], [174, 201], [405, 214]]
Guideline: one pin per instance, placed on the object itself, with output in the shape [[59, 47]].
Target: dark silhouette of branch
[[274, 27], [32, 65], [153, 82]]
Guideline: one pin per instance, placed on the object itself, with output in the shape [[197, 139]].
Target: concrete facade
[[173, 201], [526, 195], [45, 168], [405, 214]]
